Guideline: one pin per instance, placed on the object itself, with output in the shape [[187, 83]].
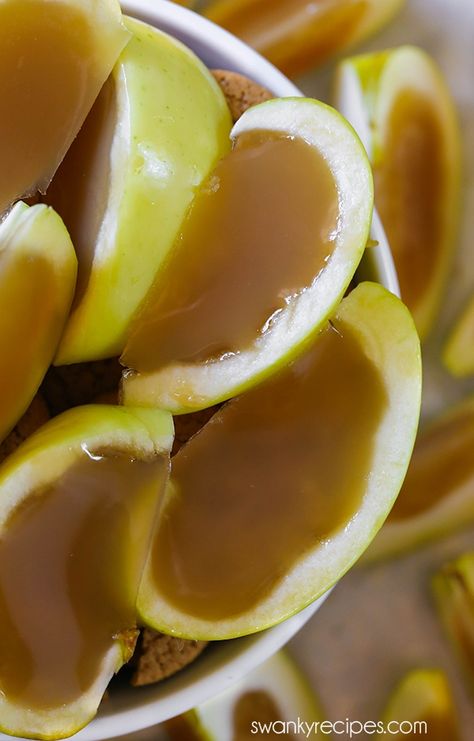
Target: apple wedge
[[437, 495], [54, 59], [156, 130], [458, 352], [296, 35], [284, 488], [276, 696], [453, 590], [78, 501], [402, 109], [422, 704], [292, 203], [37, 279]]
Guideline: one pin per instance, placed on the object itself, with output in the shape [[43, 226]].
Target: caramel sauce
[[260, 231], [71, 557], [293, 34], [409, 192], [32, 280], [256, 706], [81, 184], [272, 475], [47, 64], [441, 462]]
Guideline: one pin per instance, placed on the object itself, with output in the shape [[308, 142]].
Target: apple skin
[[383, 326], [424, 695], [173, 125], [448, 514], [366, 89], [279, 678], [184, 387], [40, 461], [37, 278]]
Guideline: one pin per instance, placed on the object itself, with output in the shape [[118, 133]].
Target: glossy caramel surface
[[409, 192], [47, 64], [442, 461], [270, 477], [293, 34], [71, 558], [259, 232], [81, 184]]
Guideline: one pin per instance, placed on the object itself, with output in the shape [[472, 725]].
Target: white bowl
[[130, 710]]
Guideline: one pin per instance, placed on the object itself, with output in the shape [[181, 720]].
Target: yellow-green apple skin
[[437, 495], [382, 325], [453, 590], [422, 703], [422, 169], [41, 461], [155, 132], [184, 387], [276, 691], [37, 279]]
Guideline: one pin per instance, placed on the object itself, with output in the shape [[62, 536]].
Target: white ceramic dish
[[130, 710]]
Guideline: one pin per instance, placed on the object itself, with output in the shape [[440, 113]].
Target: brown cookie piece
[[69, 386], [35, 416], [240, 92], [159, 656]]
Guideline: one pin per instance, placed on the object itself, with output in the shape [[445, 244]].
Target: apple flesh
[[54, 59], [156, 130], [402, 109], [78, 501], [37, 279]]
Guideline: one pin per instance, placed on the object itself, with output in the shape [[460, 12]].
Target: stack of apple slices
[[215, 261]]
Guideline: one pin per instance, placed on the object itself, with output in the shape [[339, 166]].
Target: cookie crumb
[[69, 386], [240, 92], [159, 656]]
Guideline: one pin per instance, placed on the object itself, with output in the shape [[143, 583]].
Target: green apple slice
[[37, 279], [280, 335], [275, 695], [422, 704], [453, 588], [278, 495], [156, 130], [296, 36], [437, 495], [458, 353], [401, 107], [78, 502], [54, 59]]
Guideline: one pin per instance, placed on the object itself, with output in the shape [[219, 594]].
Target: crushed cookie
[[240, 92]]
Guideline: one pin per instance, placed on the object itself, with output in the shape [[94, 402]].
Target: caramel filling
[[270, 477], [71, 557], [293, 34], [259, 232], [441, 462], [47, 68], [80, 188], [409, 192], [22, 326], [256, 706]]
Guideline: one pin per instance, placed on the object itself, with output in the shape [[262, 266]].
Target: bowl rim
[[227, 661]]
